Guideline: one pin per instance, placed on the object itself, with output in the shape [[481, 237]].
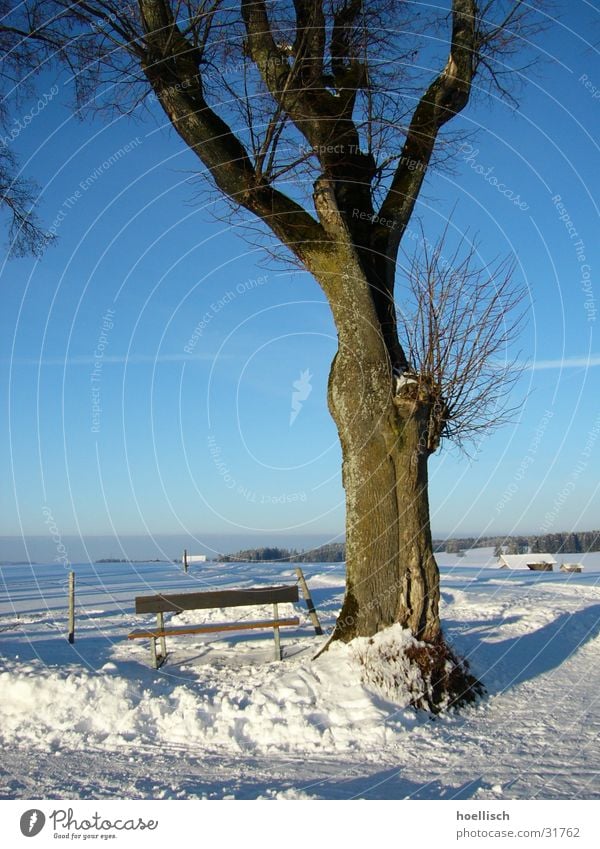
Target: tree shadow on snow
[[388, 784], [505, 664]]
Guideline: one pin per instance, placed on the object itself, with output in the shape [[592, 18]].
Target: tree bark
[[392, 576]]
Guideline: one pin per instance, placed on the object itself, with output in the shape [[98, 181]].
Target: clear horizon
[[42, 549]]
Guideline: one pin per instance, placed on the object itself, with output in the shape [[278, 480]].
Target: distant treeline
[[122, 560], [330, 553], [567, 543], [560, 543]]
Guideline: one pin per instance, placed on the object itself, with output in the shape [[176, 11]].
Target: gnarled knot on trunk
[[416, 396]]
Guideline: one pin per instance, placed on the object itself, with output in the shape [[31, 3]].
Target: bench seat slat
[[176, 602], [210, 628]]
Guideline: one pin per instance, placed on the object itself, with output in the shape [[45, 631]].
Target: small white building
[[189, 559], [535, 562]]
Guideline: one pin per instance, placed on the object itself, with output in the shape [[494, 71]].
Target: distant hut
[[571, 567], [540, 567], [188, 559], [535, 562]]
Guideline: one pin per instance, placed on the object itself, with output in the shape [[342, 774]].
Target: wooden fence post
[[276, 632], [312, 611], [71, 627]]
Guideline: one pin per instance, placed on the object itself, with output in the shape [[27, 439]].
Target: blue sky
[[185, 428]]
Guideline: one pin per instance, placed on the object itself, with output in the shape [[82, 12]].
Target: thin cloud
[[566, 362], [115, 359]]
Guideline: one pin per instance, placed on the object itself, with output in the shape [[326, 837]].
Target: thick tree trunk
[[392, 575]]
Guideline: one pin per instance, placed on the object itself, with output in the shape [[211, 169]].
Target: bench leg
[[160, 621], [157, 660], [276, 633], [153, 653]]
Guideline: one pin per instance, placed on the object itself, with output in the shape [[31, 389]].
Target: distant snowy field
[[222, 719]]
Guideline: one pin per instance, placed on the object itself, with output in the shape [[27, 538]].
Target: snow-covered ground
[[222, 719]]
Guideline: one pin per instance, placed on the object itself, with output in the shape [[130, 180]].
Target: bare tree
[[26, 234], [459, 321], [322, 118], [23, 47]]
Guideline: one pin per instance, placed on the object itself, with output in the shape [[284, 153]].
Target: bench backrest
[[214, 598]]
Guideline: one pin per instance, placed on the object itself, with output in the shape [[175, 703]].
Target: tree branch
[[447, 95], [173, 69]]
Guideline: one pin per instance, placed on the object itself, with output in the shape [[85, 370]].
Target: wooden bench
[[161, 604]]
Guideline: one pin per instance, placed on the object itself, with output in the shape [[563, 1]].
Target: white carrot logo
[[302, 388]]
